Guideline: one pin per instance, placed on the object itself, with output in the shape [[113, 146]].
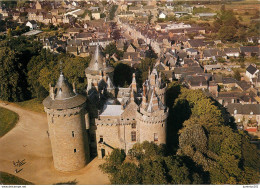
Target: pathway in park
[[28, 140]]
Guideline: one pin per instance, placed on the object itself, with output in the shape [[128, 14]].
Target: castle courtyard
[[29, 141]]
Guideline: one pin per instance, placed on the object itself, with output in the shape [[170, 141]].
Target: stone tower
[[152, 114], [98, 71], [67, 126]]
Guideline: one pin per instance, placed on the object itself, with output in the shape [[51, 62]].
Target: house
[[38, 5], [32, 24], [249, 51], [196, 82], [16, 15], [178, 14], [211, 67], [226, 82], [131, 48], [187, 8], [243, 85], [96, 15], [180, 72], [246, 115], [255, 40], [252, 72], [232, 52], [135, 9], [126, 14], [213, 54], [206, 15], [191, 52], [194, 43], [162, 15]]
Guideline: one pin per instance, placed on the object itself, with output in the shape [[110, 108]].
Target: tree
[[111, 49], [112, 12], [178, 171], [9, 32], [227, 33], [128, 174], [113, 162], [11, 75], [123, 75], [237, 75], [241, 34], [143, 68], [193, 135], [153, 172]]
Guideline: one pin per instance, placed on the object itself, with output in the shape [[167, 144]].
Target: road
[[28, 140]]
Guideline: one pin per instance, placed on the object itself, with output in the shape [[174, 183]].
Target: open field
[[8, 120], [29, 142], [236, 5]]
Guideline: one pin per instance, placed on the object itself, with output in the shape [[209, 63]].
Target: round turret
[[67, 127]]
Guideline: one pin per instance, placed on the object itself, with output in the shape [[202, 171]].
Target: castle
[[110, 117]]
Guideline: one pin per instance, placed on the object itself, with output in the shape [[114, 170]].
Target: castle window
[[101, 138], [133, 136], [162, 125], [155, 137], [133, 126], [75, 150], [72, 133]]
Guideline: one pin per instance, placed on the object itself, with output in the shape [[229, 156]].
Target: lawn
[[8, 120], [33, 105], [9, 179]]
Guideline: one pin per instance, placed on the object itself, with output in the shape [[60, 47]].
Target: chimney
[[51, 92]]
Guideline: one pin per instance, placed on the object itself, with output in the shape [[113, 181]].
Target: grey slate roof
[[251, 69], [245, 109], [98, 63], [249, 49], [64, 97]]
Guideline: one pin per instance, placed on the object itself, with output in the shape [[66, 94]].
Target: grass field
[[33, 105], [8, 120], [9, 179]]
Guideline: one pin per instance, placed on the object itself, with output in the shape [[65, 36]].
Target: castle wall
[[69, 143], [149, 126], [116, 134]]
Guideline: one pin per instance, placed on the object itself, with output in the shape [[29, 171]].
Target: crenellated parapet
[[154, 118], [64, 112]]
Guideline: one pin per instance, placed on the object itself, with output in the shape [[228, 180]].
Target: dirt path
[[28, 140]]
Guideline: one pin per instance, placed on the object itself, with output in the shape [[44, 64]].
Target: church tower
[[68, 121]]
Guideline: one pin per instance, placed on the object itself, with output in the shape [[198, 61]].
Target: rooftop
[[112, 110]]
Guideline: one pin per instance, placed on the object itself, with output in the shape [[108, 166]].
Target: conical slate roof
[[64, 97], [63, 88], [98, 63]]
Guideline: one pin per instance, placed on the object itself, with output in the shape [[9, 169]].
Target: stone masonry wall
[[67, 135]]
